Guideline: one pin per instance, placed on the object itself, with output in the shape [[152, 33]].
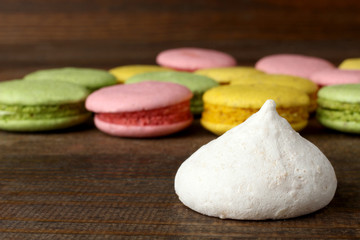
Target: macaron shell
[[122, 73], [226, 74], [335, 76], [299, 83], [29, 125], [137, 97], [140, 131], [39, 92], [339, 125], [348, 93], [350, 64], [90, 78], [254, 96], [292, 64], [191, 59], [196, 83]]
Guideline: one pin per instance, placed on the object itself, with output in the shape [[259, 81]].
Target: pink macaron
[[145, 109], [292, 64], [335, 76], [192, 59]]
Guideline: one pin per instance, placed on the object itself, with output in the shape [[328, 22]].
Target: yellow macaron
[[299, 83], [350, 64], [227, 106], [122, 73], [226, 74]]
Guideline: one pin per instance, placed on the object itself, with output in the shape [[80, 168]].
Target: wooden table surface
[[82, 184]]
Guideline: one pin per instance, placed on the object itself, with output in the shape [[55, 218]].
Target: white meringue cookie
[[261, 169]]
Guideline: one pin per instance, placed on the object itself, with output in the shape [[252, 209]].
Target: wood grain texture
[[82, 184], [107, 33]]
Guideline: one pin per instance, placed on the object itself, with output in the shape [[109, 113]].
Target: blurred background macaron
[[228, 106], [339, 107], [292, 64], [191, 59], [335, 76], [225, 75], [196, 83], [122, 73], [299, 83], [350, 64], [90, 78], [141, 110], [30, 106]]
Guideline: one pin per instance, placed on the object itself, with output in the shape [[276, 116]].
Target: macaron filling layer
[[23, 112], [161, 116], [336, 105]]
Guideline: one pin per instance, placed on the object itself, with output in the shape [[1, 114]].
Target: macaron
[[196, 83], [350, 64], [292, 64], [299, 83], [228, 106], [339, 107], [225, 75], [122, 73], [30, 106], [90, 78], [141, 110], [335, 76], [191, 59]]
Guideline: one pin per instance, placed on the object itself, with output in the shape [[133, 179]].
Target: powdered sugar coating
[[292, 64], [191, 59], [261, 169]]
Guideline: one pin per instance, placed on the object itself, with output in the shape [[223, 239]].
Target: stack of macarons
[[338, 101], [218, 90], [49, 99]]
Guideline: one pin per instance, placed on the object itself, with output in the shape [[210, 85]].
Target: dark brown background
[[82, 184]]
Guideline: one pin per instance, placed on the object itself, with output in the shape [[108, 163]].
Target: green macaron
[[30, 106], [197, 84], [90, 78], [339, 107]]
